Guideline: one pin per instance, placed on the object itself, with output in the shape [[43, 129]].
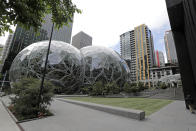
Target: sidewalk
[[6, 122], [70, 117]]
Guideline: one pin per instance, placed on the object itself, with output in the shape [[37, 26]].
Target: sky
[[106, 20]]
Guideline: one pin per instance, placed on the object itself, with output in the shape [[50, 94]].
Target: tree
[[24, 104], [30, 13]]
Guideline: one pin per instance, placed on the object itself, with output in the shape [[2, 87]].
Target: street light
[[45, 66]]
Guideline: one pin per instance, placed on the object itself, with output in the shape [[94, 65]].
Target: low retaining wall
[[60, 96], [130, 113]]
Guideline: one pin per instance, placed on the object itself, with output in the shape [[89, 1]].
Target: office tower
[[137, 46], [126, 45], [6, 48], [170, 48], [159, 58], [144, 52], [22, 38], [1, 50], [81, 40]]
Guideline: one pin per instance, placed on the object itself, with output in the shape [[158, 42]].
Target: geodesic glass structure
[[68, 66], [103, 64], [64, 63]]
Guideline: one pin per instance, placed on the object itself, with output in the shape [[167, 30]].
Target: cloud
[[3, 38], [106, 20]]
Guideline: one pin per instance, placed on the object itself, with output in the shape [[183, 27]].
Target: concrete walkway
[[70, 117], [6, 122]]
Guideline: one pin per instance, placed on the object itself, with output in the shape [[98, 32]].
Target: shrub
[[25, 103], [141, 86], [112, 88], [127, 87], [131, 88], [163, 85], [61, 89], [100, 88]]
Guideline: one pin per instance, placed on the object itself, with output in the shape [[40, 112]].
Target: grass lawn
[[148, 105]]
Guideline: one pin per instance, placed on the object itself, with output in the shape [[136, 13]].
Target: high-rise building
[[137, 46], [23, 38], [170, 48], [126, 45], [6, 48], [1, 50], [81, 40], [159, 58]]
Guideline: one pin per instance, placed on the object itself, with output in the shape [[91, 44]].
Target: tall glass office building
[[23, 38]]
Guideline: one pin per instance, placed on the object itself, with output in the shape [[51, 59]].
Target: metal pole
[[45, 66]]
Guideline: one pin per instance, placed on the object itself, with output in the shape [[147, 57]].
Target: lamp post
[[45, 67]]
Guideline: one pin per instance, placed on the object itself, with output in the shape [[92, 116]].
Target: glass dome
[[64, 63], [101, 63]]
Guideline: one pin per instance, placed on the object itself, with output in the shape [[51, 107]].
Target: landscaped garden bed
[[148, 105], [25, 102]]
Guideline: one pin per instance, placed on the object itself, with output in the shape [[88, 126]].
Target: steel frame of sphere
[[68, 66]]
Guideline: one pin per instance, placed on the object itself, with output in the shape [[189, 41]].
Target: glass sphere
[[64, 66], [103, 64]]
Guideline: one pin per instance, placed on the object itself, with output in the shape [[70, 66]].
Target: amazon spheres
[[67, 66]]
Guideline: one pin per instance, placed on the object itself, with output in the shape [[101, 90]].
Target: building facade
[[22, 38], [6, 49], [157, 73], [137, 45], [170, 47], [182, 20], [159, 59], [81, 40]]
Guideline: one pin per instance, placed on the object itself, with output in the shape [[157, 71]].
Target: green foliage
[[134, 87], [98, 89], [25, 102], [101, 89], [127, 87], [161, 85], [59, 89], [112, 88], [141, 85], [30, 13], [131, 87]]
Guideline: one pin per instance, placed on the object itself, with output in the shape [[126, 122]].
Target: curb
[[129, 113], [62, 96], [12, 116]]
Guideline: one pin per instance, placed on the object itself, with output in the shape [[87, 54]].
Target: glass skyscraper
[[22, 38], [170, 48], [159, 59]]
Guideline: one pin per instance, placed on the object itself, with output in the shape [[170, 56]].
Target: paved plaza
[[6, 122], [70, 117]]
